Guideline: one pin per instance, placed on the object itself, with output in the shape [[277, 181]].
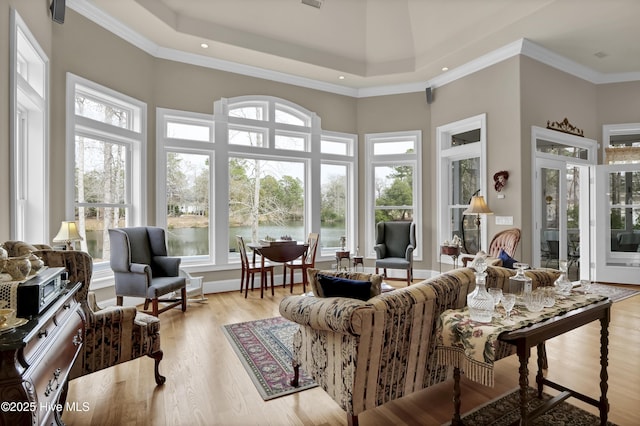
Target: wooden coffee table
[[535, 335]]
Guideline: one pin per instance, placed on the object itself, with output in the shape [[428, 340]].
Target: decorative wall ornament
[[500, 179], [565, 127]]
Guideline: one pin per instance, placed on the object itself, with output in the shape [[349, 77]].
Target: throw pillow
[[507, 261], [343, 287]]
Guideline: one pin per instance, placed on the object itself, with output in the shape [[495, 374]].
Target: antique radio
[[35, 295]]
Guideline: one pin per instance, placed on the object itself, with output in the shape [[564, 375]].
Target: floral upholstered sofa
[[367, 353], [113, 335]]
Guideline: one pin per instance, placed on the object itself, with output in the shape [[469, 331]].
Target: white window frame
[[29, 135], [410, 159], [134, 139], [221, 150], [446, 154]]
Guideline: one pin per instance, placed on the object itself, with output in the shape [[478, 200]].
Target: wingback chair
[[395, 243], [142, 268], [112, 335]]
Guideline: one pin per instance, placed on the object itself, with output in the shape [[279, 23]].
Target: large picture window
[[106, 136], [279, 175]]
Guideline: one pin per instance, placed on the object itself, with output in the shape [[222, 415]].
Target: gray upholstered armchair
[[142, 268], [395, 242]]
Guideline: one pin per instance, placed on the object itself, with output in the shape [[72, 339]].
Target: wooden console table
[[35, 360], [523, 336]]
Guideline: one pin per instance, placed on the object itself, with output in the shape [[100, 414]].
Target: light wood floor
[[207, 385]]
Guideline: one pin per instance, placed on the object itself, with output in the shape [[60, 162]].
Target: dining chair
[[251, 268], [305, 262]]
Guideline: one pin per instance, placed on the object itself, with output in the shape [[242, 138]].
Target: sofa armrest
[[409, 252], [329, 314]]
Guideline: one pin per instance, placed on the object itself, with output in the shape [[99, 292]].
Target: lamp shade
[[68, 233], [478, 206]]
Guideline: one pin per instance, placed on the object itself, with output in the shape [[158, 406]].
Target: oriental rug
[[505, 410], [264, 348]]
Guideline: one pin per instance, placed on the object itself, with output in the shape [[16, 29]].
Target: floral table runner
[[473, 347]]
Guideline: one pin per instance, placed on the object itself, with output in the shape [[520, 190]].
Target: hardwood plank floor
[[207, 385]]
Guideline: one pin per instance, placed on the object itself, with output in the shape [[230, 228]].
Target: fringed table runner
[[473, 347]]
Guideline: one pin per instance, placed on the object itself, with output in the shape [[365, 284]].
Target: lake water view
[[195, 241]]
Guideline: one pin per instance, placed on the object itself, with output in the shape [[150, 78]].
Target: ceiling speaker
[[429, 92], [57, 11]]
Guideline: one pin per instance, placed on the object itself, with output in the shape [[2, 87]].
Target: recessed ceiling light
[[445, 68], [341, 77], [204, 45]]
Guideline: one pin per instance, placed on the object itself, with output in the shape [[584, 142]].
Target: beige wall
[[494, 91], [548, 94]]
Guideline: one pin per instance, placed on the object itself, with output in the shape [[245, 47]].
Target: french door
[[561, 200], [617, 213]]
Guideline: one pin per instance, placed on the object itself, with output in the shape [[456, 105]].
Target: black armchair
[[395, 242], [142, 268]]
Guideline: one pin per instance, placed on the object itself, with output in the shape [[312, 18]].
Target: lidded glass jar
[[479, 301], [562, 284], [520, 284]]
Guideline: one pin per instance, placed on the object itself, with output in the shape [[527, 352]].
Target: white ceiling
[[374, 43]]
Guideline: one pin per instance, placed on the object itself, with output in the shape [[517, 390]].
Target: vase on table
[[479, 301]]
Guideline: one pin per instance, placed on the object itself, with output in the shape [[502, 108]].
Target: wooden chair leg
[[291, 271], [272, 283], [408, 277], [241, 280], [154, 304], [284, 275], [304, 280], [184, 299], [146, 304], [157, 357], [119, 300]]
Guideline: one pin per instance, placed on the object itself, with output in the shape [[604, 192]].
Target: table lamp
[[67, 234], [477, 207]]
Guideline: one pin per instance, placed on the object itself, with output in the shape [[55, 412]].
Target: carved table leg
[[523, 355], [456, 398], [604, 352], [542, 361]]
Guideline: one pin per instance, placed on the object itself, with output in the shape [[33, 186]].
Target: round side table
[[358, 260]]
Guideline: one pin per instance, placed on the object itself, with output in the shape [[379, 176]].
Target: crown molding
[[519, 47]]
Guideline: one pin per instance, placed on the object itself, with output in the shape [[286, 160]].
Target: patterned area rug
[[503, 411], [264, 347], [614, 293]]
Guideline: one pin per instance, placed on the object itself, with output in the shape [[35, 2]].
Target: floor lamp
[[476, 208]]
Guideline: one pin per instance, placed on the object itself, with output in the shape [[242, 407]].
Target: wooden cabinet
[[35, 360]]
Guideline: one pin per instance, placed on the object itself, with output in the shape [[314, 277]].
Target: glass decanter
[[562, 284], [520, 284], [479, 301]]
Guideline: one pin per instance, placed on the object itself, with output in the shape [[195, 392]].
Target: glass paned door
[[562, 207], [618, 223]]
